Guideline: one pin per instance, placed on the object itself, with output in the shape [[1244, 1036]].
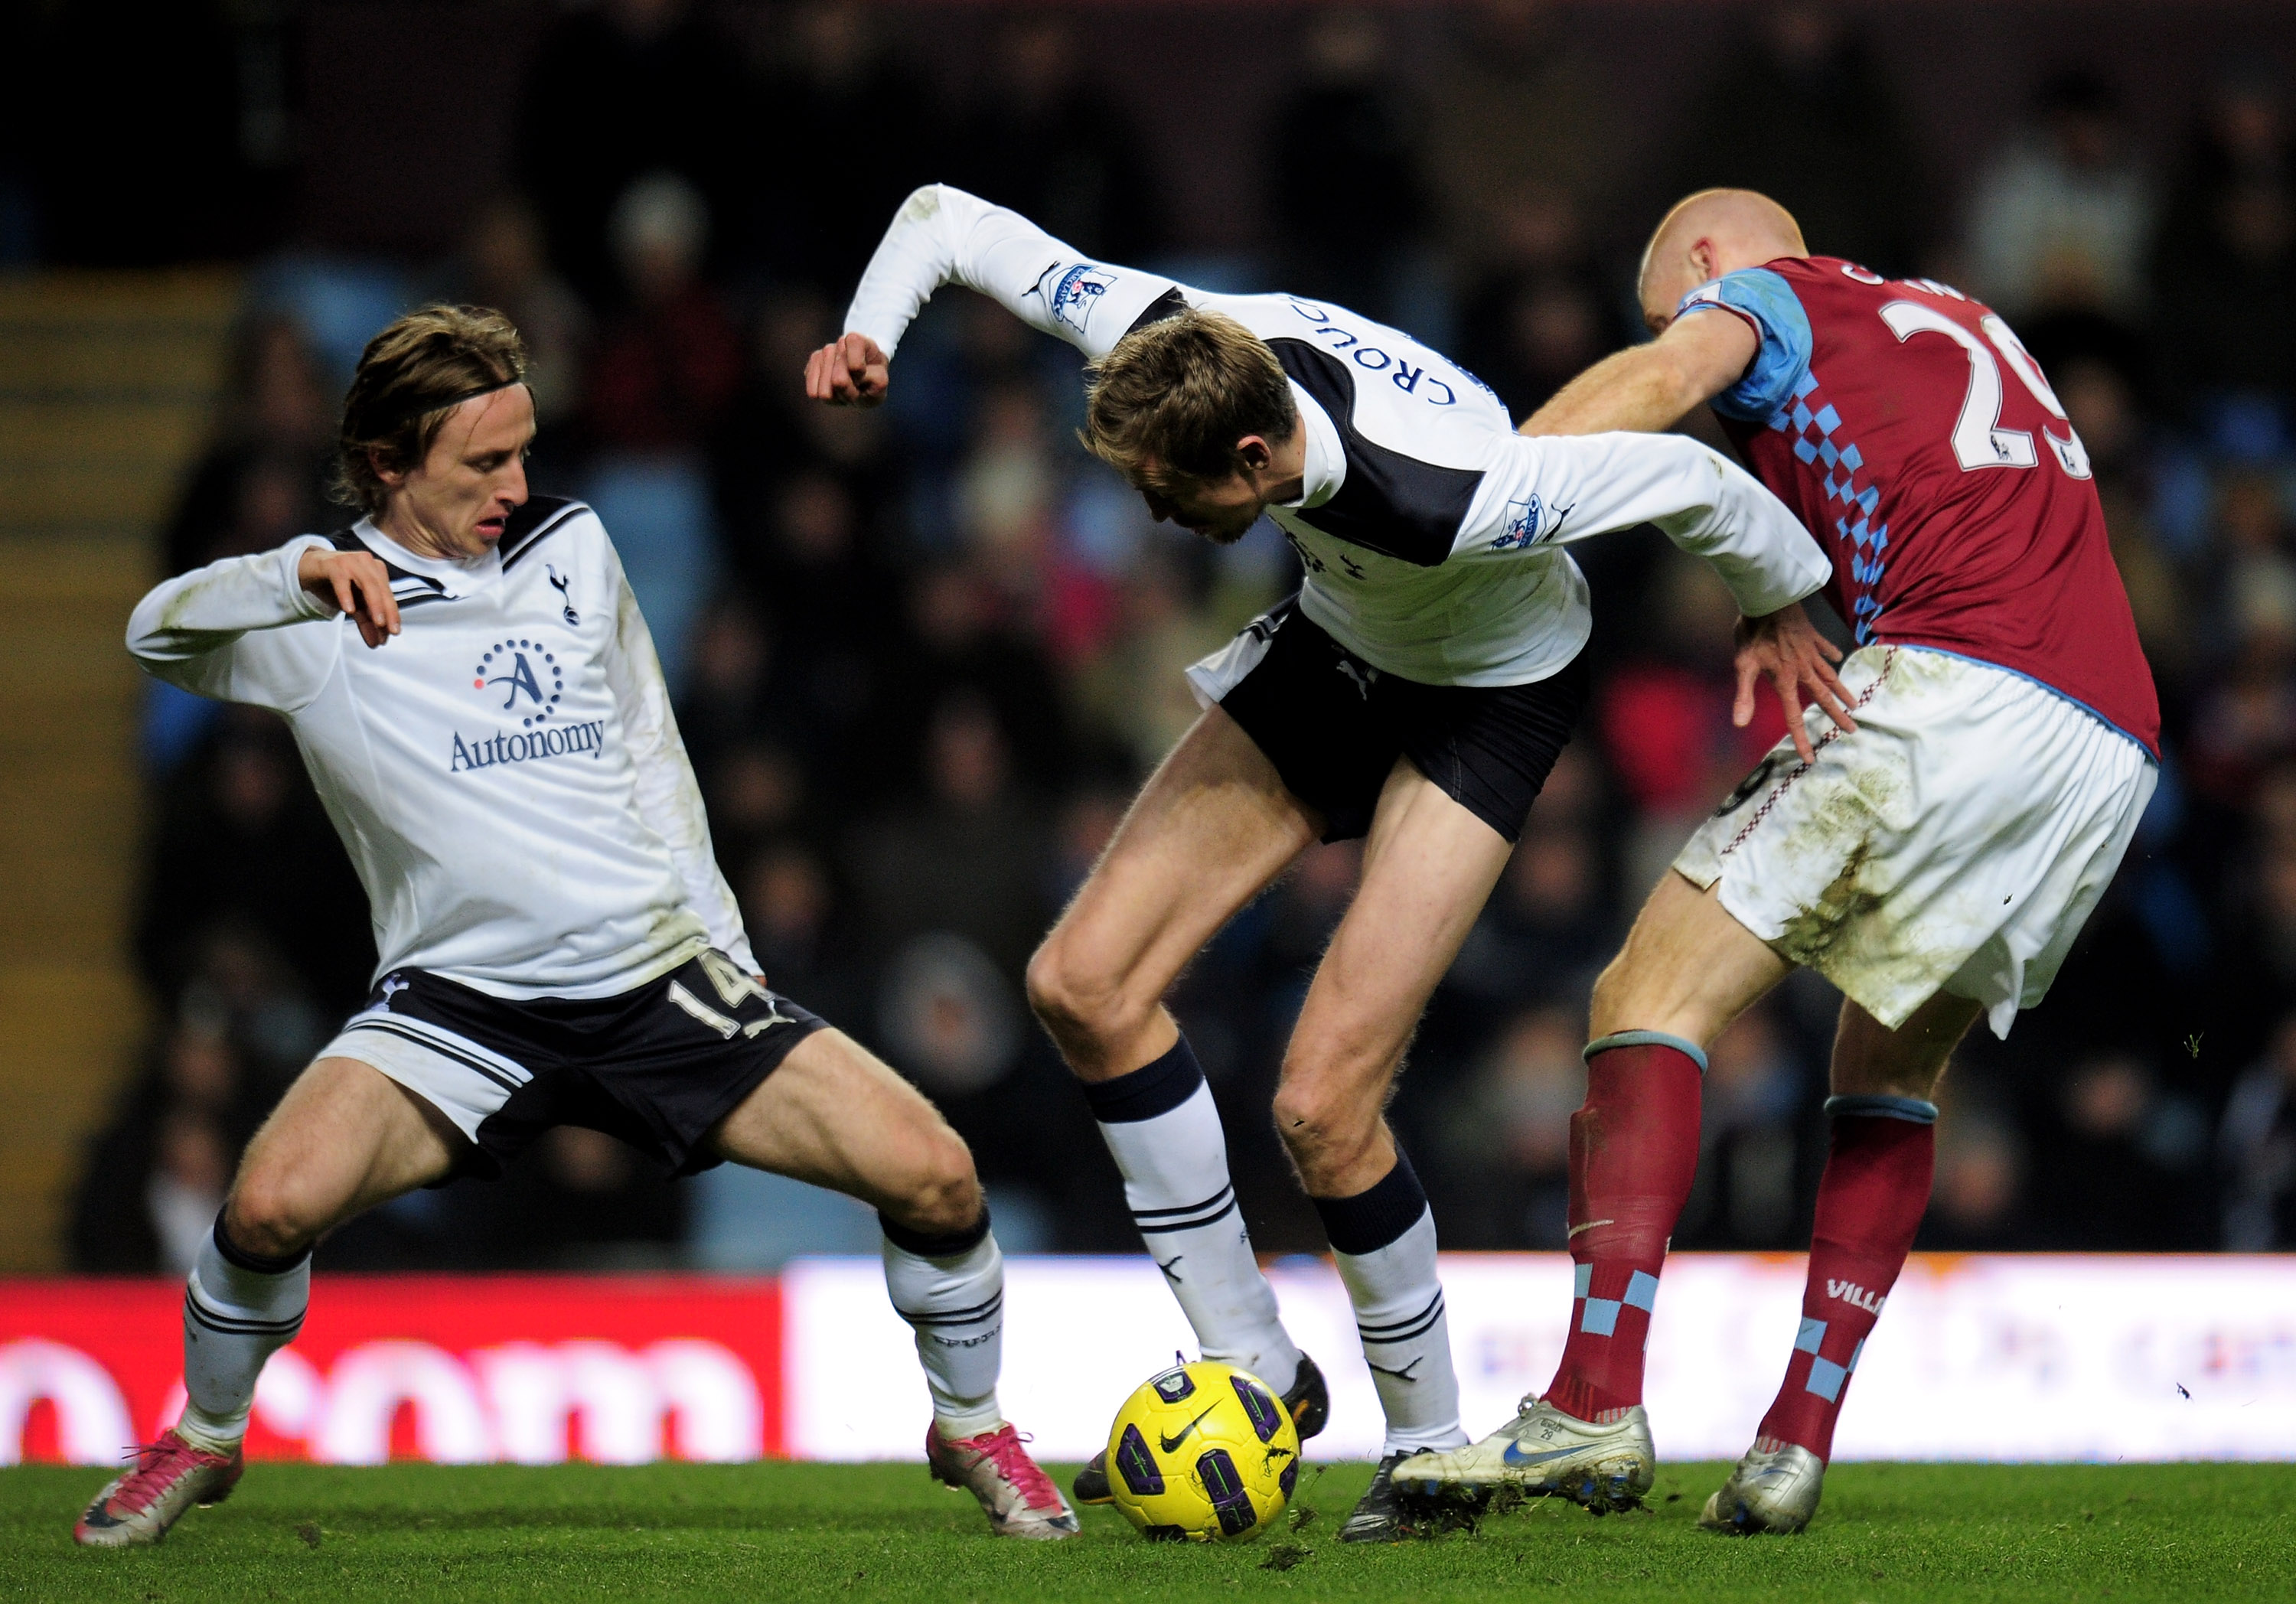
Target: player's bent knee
[[269, 1215], [1074, 999], [1632, 993], [1046, 984], [944, 1196], [1061, 990], [1316, 1115]]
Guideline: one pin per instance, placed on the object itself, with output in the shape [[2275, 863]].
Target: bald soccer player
[[1934, 856]]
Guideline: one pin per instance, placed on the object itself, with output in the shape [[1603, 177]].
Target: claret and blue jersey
[[1920, 442]]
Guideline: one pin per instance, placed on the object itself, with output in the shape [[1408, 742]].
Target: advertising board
[[2002, 1357]]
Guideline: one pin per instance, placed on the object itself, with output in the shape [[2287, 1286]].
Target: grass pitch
[[408, 1533]]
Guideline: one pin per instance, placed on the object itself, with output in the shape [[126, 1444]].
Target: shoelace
[[156, 1465], [1002, 1448]]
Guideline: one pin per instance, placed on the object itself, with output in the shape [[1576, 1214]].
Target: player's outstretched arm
[[1580, 486], [943, 235], [219, 630], [1648, 387]]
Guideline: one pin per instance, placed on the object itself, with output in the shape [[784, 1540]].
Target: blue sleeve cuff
[[1780, 326], [1914, 1110]]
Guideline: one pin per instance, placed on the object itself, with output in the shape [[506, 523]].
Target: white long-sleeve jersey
[[1432, 533], [504, 772]]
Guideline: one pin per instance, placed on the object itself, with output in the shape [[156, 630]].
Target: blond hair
[[409, 378], [1172, 399]]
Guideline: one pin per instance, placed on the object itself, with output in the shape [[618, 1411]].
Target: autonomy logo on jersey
[[519, 669], [511, 663], [1073, 295]]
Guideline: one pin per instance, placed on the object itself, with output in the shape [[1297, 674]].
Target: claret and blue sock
[[1879, 1162], [1634, 1152]]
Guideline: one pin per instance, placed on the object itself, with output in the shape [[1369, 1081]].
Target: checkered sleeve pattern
[[1819, 440]]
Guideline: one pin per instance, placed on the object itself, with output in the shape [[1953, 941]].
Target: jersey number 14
[[1979, 440]]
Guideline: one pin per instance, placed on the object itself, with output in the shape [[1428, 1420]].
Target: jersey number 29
[[1979, 440]]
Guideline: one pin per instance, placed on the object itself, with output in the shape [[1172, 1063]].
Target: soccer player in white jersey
[[1416, 691], [477, 698]]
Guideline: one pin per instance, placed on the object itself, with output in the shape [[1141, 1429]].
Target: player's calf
[[1383, 1243], [1164, 1131], [1634, 1151]]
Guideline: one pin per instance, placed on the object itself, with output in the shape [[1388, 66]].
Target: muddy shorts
[[1957, 842]]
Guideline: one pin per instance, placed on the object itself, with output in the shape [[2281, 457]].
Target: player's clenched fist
[[851, 372], [357, 584]]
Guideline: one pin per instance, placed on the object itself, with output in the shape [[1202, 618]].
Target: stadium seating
[[107, 382]]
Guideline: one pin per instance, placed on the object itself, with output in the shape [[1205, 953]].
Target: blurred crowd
[[923, 655]]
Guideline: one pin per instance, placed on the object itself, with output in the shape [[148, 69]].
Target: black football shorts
[[1334, 725], [658, 1065]]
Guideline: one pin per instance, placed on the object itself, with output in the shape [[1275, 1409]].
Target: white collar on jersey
[[1326, 466], [455, 576]]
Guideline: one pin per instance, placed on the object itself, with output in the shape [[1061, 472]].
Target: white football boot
[[1774, 1489], [1604, 1465]]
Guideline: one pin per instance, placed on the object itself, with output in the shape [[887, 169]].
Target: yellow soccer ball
[[1203, 1453]]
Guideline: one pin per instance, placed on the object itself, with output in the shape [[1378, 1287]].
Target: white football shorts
[[1957, 842]]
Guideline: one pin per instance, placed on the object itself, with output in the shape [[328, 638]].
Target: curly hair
[[409, 378]]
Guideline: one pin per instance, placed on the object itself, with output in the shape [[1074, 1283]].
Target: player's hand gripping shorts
[[1957, 842]]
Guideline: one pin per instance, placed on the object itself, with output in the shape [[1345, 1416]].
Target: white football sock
[[237, 1311], [1383, 1242], [952, 1293], [1164, 1130]]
